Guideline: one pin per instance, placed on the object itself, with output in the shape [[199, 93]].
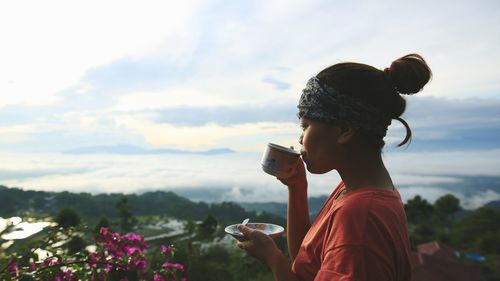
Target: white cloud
[[208, 135], [234, 176], [17, 133], [48, 46], [452, 163], [52, 44], [178, 96], [20, 133]]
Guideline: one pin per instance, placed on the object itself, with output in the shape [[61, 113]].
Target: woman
[[361, 231]]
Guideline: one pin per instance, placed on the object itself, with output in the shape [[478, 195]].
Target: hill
[[493, 204], [280, 209], [15, 202]]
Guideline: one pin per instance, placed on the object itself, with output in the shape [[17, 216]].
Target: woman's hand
[[298, 177], [263, 248], [259, 245]]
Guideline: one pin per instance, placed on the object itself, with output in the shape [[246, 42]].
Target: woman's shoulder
[[356, 213], [361, 202]]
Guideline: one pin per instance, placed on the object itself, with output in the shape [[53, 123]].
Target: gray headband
[[323, 103]]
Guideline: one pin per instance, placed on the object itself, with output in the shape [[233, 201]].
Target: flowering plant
[[117, 257]]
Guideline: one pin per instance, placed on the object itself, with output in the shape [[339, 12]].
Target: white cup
[[278, 160]]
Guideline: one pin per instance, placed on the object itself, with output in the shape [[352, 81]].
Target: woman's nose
[[301, 138]]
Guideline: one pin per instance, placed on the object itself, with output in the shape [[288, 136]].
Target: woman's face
[[319, 145]]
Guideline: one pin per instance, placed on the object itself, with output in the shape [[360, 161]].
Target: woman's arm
[[298, 209], [297, 219]]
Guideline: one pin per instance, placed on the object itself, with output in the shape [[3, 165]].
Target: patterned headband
[[323, 103]]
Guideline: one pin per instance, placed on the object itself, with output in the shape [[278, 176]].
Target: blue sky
[[199, 75]]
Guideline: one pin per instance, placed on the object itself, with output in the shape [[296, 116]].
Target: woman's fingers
[[245, 230]]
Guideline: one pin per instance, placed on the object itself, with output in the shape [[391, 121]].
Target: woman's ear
[[346, 135]]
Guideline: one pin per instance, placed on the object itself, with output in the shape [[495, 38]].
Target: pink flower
[[158, 277], [133, 237], [64, 275], [12, 268], [177, 266], [138, 263], [32, 266], [107, 268], [167, 264], [50, 261], [166, 249], [132, 250], [92, 260], [104, 231]]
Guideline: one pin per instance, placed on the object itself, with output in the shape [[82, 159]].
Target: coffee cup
[[278, 160]]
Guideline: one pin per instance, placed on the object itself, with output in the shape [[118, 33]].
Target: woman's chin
[[314, 170]]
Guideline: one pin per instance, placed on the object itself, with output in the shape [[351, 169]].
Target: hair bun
[[409, 74]]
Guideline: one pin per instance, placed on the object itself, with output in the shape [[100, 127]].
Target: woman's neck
[[365, 170]]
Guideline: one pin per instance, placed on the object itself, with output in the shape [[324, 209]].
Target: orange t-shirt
[[360, 236]]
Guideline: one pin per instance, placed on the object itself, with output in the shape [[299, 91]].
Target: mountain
[[280, 209], [132, 150], [17, 202], [493, 204]]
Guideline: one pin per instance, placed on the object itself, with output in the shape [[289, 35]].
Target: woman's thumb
[[245, 230]]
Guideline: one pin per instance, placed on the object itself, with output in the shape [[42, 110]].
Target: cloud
[[26, 174], [228, 115], [449, 163], [132, 74], [450, 124], [214, 70], [223, 51], [208, 135], [238, 176], [212, 40], [126, 149], [438, 124], [49, 46], [278, 85]]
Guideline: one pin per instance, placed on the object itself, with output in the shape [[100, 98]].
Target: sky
[[84, 83]]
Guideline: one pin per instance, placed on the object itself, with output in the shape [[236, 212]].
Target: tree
[[421, 234], [446, 207], [418, 210], [214, 265], [103, 222], [127, 220], [208, 226], [67, 217], [190, 226], [75, 245], [476, 224]]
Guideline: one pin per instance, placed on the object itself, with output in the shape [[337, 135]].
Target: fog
[[238, 176]]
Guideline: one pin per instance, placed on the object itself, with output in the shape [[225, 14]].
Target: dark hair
[[380, 88]]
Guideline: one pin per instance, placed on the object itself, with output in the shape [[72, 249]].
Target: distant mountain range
[[493, 204], [15, 201], [132, 149], [280, 209], [18, 202]]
